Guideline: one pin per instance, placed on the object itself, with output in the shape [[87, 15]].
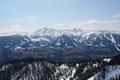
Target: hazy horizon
[[31, 15]]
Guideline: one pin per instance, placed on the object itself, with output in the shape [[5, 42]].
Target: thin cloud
[[17, 28], [116, 16], [98, 25], [112, 24], [28, 18]]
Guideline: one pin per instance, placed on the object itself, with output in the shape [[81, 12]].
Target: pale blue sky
[[31, 13]]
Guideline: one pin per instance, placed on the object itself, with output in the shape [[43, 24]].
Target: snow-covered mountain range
[[68, 44], [51, 54], [61, 45]]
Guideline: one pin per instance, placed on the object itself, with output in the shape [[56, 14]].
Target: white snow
[[111, 72], [92, 78], [58, 43], [40, 39], [113, 41], [7, 46], [42, 45], [18, 47], [107, 59], [13, 33], [117, 47]]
